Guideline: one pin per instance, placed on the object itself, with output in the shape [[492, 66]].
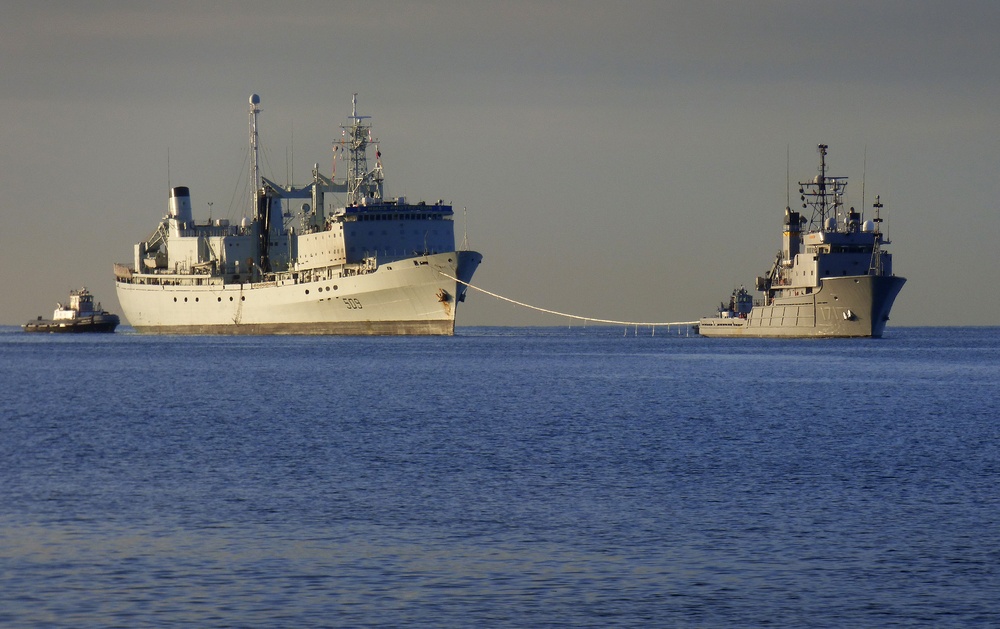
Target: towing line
[[654, 325]]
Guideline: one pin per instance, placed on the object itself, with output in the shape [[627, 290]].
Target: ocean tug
[[833, 279], [81, 315], [371, 265]]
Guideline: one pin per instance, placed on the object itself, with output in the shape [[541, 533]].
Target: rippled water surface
[[502, 477]]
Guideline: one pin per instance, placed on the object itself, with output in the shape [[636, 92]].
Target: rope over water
[[637, 324]]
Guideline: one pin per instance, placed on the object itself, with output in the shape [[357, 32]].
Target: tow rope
[[636, 324]]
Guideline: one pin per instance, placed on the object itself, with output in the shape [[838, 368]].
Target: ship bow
[[884, 292]]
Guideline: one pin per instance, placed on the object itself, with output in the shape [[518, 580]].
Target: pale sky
[[618, 160]]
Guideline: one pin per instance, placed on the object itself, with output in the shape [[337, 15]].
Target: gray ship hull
[[842, 307]]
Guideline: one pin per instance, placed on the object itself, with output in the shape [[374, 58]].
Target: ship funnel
[[792, 238], [180, 210], [180, 204]]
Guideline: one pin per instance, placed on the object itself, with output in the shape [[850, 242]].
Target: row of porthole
[[320, 290], [242, 298]]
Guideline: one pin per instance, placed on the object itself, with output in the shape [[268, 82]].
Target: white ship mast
[[254, 171], [260, 200]]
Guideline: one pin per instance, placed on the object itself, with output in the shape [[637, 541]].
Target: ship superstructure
[[362, 265], [832, 278]]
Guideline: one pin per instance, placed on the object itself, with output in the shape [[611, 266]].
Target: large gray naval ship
[[832, 280], [364, 265]]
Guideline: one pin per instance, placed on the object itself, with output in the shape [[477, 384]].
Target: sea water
[[534, 477]]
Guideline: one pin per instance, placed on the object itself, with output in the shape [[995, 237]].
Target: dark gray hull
[[96, 323], [843, 307]]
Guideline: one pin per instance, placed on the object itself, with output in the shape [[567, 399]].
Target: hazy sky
[[621, 160]]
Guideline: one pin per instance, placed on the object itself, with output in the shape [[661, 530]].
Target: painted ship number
[[352, 303]]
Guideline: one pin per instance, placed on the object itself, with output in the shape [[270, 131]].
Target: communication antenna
[[878, 213], [864, 176]]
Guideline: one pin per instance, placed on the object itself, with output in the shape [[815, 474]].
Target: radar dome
[[254, 99]]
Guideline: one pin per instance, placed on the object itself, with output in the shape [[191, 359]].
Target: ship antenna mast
[[254, 172], [822, 183], [824, 194], [875, 268], [360, 182]]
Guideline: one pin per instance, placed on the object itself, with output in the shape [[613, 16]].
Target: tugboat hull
[[844, 307], [96, 323]]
